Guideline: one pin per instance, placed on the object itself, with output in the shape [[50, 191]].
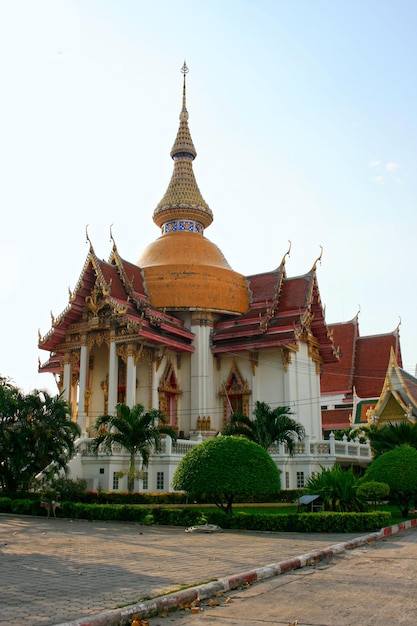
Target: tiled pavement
[[57, 570]]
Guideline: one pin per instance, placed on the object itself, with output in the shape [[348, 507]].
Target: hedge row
[[297, 522], [120, 497], [326, 522]]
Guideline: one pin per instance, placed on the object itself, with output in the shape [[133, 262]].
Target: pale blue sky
[[304, 117]]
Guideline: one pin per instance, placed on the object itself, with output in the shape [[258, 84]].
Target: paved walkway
[[57, 570]]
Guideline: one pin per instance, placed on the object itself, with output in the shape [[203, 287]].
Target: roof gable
[[372, 359], [105, 297], [282, 312], [337, 377]]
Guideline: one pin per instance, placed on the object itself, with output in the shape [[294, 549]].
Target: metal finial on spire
[[184, 71]]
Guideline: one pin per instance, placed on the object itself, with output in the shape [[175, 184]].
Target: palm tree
[[136, 430], [36, 433], [389, 436], [269, 426]]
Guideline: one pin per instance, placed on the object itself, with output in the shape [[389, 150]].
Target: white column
[[113, 377], [82, 387], [202, 401], [131, 378], [66, 388]]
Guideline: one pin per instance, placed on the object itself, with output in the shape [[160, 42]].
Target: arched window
[[168, 391], [235, 393]]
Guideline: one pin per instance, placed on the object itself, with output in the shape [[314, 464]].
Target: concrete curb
[[151, 608]]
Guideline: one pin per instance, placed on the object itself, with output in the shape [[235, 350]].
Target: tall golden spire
[[183, 206]]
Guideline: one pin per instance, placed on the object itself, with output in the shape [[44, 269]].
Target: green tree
[[36, 435], [337, 487], [389, 436], [398, 469], [224, 468], [268, 426], [134, 429], [373, 492], [11, 441]]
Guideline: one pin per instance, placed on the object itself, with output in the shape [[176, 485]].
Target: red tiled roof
[[119, 292], [295, 292], [277, 315], [335, 418], [337, 377], [262, 286], [411, 384], [372, 359], [362, 363]]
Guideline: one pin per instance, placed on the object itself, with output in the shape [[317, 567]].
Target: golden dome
[[185, 270]]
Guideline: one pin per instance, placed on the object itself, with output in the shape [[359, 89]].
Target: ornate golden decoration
[[95, 301], [97, 339], [286, 254], [87, 394], [155, 319], [158, 357], [203, 423], [314, 353], [286, 352], [318, 259], [105, 387]]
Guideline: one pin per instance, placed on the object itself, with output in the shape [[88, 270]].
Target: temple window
[[145, 481], [300, 480], [169, 391], [235, 393], [159, 481]]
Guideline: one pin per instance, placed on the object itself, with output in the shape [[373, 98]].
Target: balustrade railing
[[342, 449]]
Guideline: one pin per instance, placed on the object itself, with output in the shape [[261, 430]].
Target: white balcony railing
[[331, 449]]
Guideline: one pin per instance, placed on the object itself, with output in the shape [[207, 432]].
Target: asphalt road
[[372, 585]]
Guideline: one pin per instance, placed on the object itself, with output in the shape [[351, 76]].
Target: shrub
[[398, 469], [373, 492], [68, 489], [337, 487], [5, 505], [226, 468], [25, 507]]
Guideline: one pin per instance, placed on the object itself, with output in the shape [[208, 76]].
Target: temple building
[[351, 386], [181, 331], [396, 402]]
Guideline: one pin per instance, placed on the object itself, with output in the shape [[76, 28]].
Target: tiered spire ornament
[[183, 207]]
